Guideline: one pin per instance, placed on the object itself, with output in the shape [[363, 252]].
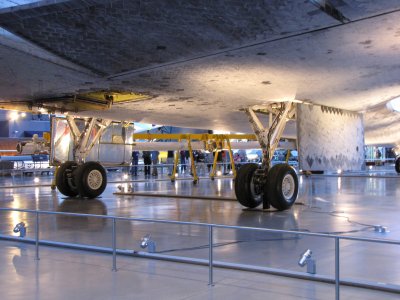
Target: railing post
[[37, 236], [210, 255], [337, 269], [114, 245]]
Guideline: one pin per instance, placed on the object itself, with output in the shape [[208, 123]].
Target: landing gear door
[[114, 146], [329, 139], [61, 141]]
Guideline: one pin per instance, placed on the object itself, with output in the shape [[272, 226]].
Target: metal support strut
[[86, 139], [269, 137]]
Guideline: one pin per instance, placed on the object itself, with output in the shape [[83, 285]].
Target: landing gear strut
[[277, 186], [397, 165], [86, 179]]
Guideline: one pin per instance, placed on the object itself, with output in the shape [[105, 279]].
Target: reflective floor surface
[[348, 205]]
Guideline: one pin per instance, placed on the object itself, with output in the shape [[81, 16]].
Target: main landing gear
[[86, 180], [275, 186], [397, 165], [79, 178]]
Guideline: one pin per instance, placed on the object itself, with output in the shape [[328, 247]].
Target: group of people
[[149, 157], [203, 159]]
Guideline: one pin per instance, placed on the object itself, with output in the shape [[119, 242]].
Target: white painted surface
[[329, 140]]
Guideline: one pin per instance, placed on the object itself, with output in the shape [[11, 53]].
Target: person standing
[[135, 162], [182, 154], [154, 158], [147, 162], [201, 162]]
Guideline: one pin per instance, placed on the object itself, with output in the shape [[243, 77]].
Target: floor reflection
[[19, 260], [272, 220], [82, 206]]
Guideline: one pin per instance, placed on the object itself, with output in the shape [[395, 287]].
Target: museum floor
[[349, 205]]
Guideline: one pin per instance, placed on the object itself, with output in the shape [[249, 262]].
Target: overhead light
[[125, 176], [36, 180], [23, 115], [13, 116]]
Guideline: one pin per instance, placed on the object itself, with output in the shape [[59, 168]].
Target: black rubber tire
[[397, 165], [274, 187], [243, 187], [97, 173], [62, 179]]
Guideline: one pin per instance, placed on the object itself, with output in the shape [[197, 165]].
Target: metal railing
[[210, 262]]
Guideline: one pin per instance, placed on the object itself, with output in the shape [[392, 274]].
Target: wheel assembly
[[64, 179], [397, 165], [282, 186], [91, 179], [247, 192]]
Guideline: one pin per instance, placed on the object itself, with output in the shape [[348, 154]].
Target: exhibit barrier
[[210, 261]]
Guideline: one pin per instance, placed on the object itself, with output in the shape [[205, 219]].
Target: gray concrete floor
[[347, 205]]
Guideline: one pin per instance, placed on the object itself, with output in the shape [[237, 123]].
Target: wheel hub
[[256, 190], [288, 186], [95, 179]]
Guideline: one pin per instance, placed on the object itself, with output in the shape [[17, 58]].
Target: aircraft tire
[[62, 179], [246, 192], [397, 165], [91, 179], [282, 186]]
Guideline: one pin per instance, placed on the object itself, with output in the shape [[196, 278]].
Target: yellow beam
[[192, 136], [113, 97]]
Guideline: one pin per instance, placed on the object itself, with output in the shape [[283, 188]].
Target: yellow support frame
[[174, 171], [193, 136], [218, 138], [192, 165], [213, 171], [287, 156], [53, 181], [231, 158]]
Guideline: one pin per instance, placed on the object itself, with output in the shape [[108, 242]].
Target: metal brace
[[82, 143], [269, 137]]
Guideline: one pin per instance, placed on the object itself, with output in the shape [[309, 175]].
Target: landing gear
[[64, 179], [397, 165], [86, 180], [277, 186], [279, 190], [247, 192], [91, 179], [282, 186]]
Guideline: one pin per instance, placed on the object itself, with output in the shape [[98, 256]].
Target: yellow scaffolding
[[217, 143]]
